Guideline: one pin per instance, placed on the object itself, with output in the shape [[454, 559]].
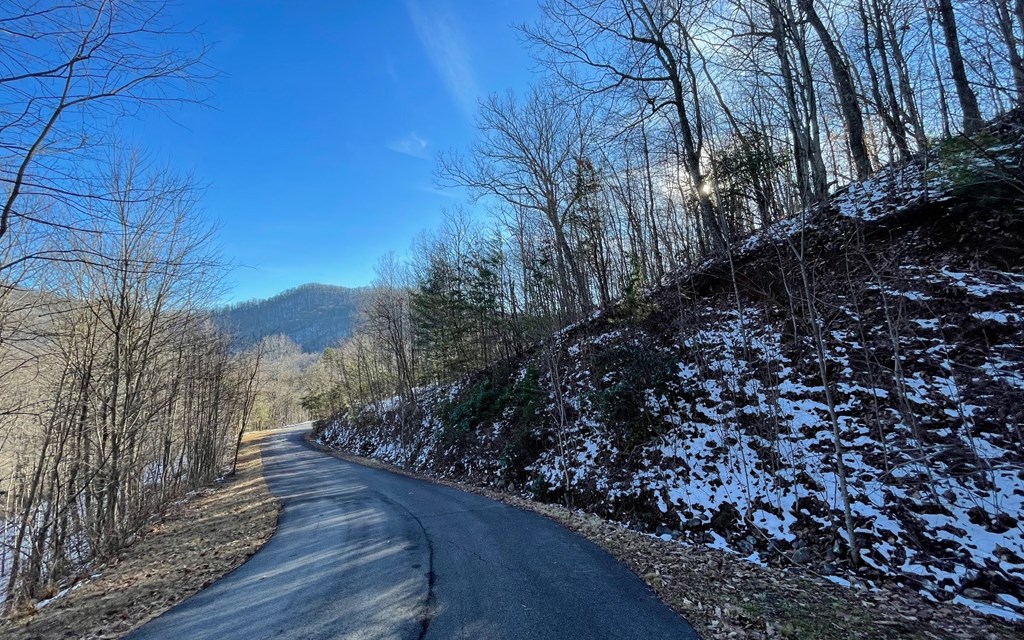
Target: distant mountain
[[314, 316]]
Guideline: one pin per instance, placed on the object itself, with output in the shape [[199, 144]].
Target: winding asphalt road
[[364, 553]]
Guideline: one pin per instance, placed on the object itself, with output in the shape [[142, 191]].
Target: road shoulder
[[201, 539]]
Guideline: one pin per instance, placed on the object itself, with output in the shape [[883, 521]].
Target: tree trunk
[[1005, 22], [968, 100], [849, 103]]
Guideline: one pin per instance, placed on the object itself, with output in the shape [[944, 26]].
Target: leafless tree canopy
[[117, 395], [67, 72]]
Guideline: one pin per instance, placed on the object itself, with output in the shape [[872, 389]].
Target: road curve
[[364, 553]]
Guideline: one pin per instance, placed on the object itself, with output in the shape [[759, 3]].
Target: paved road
[[364, 553]]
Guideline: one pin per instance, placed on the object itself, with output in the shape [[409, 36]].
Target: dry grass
[[198, 541], [725, 597]]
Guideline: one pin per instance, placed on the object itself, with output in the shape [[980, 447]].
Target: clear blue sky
[[319, 141]]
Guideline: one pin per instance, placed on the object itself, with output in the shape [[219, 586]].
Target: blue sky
[[317, 146]]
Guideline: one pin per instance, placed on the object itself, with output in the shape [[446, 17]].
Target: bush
[[462, 415], [523, 445], [626, 375]]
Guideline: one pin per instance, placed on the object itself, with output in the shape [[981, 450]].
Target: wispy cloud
[[455, 193], [410, 145], [439, 33]]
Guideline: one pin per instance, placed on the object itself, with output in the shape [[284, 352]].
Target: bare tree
[[249, 388], [849, 101], [69, 70], [137, 403], [647, 47], [387, 316], [526, 156], [969, 109]]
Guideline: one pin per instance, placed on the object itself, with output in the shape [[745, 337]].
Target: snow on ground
[[920, 378], [747, 462]]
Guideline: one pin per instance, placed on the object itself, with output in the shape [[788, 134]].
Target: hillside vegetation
[[117, 396], [314, 316], [842, 391]]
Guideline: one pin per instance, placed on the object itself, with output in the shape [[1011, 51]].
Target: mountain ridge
[[313, 315]]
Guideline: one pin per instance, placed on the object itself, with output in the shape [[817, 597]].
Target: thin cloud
[[449, 192], [443, 41], [411, 145]]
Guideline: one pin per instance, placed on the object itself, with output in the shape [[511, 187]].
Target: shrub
[[460, 416], [627, 374], [523, 445]]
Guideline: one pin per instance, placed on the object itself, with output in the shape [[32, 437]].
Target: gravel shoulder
[[201, 538], [724, 596]]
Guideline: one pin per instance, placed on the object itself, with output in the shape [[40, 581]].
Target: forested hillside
[[739, 274], [314, 316], [751, 276]]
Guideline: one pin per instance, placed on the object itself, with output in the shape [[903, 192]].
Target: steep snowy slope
[[876, 345]]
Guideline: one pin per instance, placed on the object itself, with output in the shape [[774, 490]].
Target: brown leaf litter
[[197, 541]]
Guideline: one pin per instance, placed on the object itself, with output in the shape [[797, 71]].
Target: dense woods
[[117, 393], [312, 316]]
